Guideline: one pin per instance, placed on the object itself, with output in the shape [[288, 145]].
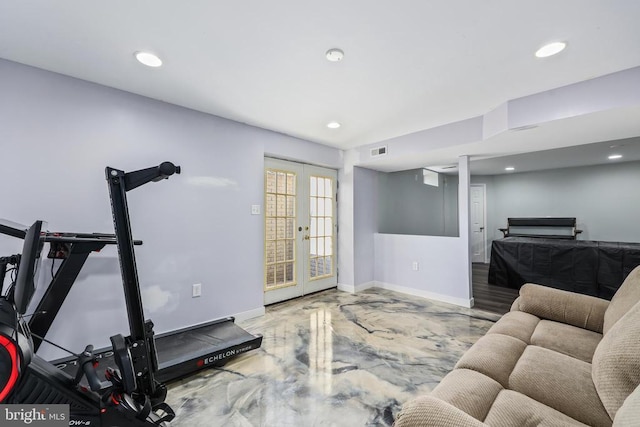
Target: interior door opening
[[300, 230], [478, 223]]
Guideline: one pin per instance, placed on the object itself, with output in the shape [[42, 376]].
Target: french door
[[300, 230]]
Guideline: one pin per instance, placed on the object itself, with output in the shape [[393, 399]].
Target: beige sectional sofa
[[556, 359]]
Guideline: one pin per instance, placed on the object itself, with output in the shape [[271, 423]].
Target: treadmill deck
[[185, 351]]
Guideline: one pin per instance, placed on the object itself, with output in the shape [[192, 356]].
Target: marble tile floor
[[332, 359]]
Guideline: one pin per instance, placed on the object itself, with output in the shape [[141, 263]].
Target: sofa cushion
[[579, 310], [625, 297], [514, 409], [469, 391], [428, 411], [575, 342], [616, 361], [516, 324], [494, 355], [561, 382]]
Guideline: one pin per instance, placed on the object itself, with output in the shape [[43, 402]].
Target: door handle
[[481, 228], [306, 237]]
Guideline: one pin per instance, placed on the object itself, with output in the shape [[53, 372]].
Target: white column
[[464, 217], [346, 266]]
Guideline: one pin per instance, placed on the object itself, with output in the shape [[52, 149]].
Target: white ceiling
[[584, 155], [534, 148], [408, 66]]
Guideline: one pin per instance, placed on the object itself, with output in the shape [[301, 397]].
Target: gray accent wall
[[605, 199], [450, 208], [57, 135], [407, 206]]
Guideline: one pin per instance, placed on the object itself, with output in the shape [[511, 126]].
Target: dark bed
[[588, 267]]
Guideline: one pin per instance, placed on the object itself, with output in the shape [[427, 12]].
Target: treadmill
[[179, 353]]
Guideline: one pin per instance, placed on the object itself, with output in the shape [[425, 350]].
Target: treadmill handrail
[[105, 240], [119, 182], [13, 229]]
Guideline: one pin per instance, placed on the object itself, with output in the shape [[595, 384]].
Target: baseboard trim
[[352, 289], [468, 303], [249, 314]]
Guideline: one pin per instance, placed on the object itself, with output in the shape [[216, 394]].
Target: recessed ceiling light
[[615, 156], [509, 168], [148, 59], [333, 125], [335, 55], [550, 49]]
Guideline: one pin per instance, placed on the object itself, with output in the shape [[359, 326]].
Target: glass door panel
[[281, 247], [320, 255]]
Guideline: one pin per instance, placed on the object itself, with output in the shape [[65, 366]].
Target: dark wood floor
[[495, 299]]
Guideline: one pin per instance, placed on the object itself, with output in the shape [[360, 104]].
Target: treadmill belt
[[189, 344], [183, 352]]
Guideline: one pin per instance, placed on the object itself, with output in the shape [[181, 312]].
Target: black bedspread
[[588, 267]]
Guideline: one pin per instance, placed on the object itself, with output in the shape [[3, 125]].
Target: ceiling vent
[[525, 127], [379, 151]]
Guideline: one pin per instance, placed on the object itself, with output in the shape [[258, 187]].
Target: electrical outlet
[[255, 209], [196, 290], [415, 266]]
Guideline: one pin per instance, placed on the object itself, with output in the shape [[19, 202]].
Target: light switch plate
[[196, 290]]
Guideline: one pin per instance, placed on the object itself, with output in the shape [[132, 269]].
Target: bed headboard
[[548, 228]]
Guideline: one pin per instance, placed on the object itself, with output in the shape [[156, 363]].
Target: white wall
[[604, 198], [386, 260], [444, 263], [600, 94], [442, 271], [365, 221], [57, 134]]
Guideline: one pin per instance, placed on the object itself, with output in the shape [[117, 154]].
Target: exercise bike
[[130, 396]]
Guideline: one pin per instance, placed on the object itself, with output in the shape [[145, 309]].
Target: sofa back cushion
[[616, 361], [626, 297]]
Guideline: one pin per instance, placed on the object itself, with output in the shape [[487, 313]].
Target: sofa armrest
[[579, 310], [429, 411], [627, 415], [516, 305]]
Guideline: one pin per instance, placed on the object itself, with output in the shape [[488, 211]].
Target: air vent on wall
[[379, 151]]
